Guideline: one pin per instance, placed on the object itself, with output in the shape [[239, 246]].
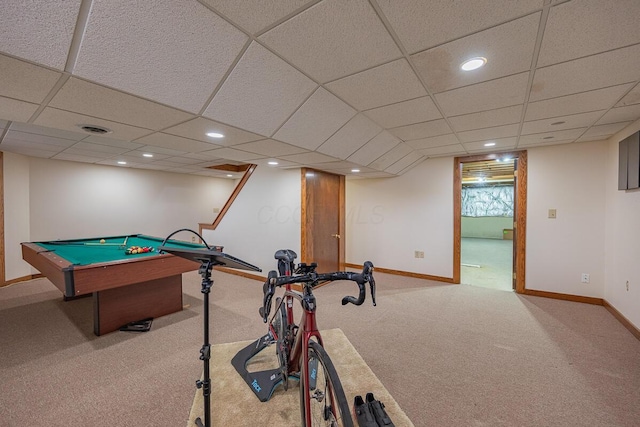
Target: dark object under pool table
[[125, 288]]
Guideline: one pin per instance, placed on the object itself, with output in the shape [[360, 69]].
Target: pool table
[[125, 288]]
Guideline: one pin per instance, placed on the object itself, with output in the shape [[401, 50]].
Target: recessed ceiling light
[[147, 155], [507, 159], [122, 163], [473, 63], [498, 160], [557, 123], [489, 144], [355, 170], [229, 175], [273, 163], [215, 135]]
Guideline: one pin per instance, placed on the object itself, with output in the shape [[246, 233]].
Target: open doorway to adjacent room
[[497, 170], [488, 204]]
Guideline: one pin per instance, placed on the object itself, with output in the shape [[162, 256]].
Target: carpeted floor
[[450, 355], [234, 404]]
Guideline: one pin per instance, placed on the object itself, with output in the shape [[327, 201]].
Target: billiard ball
[[102, 241]]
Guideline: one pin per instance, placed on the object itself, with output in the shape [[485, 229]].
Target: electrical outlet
[[585, 278], [552, 213], [419, 254], [193, 238], [627, 286]]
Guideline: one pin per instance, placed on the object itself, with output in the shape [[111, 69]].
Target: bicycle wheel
[[329, 406]]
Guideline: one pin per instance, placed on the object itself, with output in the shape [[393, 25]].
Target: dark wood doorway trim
[[2, 253], [306, 218], [520, 221]]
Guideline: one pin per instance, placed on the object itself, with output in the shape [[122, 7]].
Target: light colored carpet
[[234, 404]]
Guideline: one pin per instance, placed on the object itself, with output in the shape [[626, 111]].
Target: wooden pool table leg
[[113, 308]]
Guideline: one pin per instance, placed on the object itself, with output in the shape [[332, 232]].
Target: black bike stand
[[207, 259]]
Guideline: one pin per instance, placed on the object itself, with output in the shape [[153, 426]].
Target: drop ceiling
[[336, 85]]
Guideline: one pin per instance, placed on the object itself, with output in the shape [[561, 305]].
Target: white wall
[[16, 213], [486, 227], [264, 217], [389, 219], [71, 200], [571, 179], [622, 243]]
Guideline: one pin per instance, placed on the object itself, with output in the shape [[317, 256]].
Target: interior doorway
[[503, 167], [487, 217], [323, 220]]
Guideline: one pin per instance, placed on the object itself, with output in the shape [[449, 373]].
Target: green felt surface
[[90, 251]]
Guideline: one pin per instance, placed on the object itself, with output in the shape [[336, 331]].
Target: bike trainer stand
[[263, 383]]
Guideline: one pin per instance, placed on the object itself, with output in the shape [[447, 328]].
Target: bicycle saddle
[[286, 255]]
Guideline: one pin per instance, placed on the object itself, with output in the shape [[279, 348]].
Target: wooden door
[[322, 217]]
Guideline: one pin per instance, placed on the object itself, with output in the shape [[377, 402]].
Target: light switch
[[552, 213]]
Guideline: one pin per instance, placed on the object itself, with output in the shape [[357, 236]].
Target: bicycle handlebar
[[273, 281]]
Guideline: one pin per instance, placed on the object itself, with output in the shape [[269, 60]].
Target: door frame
[[520, 220], [306, 248]]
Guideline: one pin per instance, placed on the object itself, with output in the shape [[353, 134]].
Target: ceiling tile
[[391, 156], [137, 157], [332, 39], [24, 81], [422, 24], [260, 93], [367, 175], [375, 148], [421, 130], [393, 82], [112, 142], [537, 143], [14, 110], [65, 120], [508, 49], [41, 141], [177, 143], [32, 149], [570, 122], [501, 144], [446, 150], [255, 15], [270, 147], [162, 52], [162, 150], [3, 124], [593, 72], [436, 141], [46, 131], [490, 118], [357, 132], [38, 30], [78, 158], [87, 148], [233, 154], [489, 133], [633, 97], [504, 92], [91, 99], [281, 163], [405, 113], [605, 131], [595, 100], [316, 120], [404, 162], [577, 29], [550, 137], [199, 127], [621, 114], [310, 158]]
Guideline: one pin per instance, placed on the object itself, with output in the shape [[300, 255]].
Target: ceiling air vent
[[96, 130]]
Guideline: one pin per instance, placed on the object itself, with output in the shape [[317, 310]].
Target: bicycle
[[299, 347]]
